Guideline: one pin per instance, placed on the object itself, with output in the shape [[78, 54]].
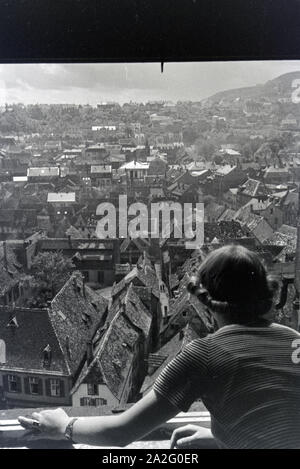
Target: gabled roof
[[140, 243], [286, 236], [74, 320], [259, 205], [246, 217], [142, 276], [114, 352], [290, 198], [213, 210], [252, 187], [227, 215], [73, 232], [165, 355], [10, 273], [26, 341], [226, 230]]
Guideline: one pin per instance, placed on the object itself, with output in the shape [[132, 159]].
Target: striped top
[[249, 380]]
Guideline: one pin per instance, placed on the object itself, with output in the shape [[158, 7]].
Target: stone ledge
[[12, 435]]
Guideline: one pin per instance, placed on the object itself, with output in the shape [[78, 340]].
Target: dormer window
[[2, 352], [13, 322], [47, 355]]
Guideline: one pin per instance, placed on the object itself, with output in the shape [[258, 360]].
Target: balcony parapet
[[12, 435]]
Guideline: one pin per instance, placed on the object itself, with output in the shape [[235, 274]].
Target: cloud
[[81, 83]]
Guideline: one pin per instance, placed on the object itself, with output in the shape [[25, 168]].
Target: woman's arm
[[118, 430]]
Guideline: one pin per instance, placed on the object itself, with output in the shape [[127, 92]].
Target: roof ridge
[[58, 341]]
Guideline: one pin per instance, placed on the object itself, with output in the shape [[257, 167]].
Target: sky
[[95, 83]]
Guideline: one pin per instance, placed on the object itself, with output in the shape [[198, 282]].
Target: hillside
[[279, 87]]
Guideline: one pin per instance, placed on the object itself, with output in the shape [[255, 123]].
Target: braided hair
[[233, 282]]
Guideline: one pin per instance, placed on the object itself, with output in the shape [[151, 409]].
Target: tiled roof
[[143, 276], [224, 230], [259, 205], [252, 187], [115, 350], [213, 210], [140, 243], [10, 274], [251, 220], [74, 320], [246, 217], [26, 341], [136, 312], [289, 230], [187, 302], [167, 353], [73, 232], [291, 197], [227, 215], [287, 240]]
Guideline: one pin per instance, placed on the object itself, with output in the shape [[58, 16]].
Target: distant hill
[[279, 87]]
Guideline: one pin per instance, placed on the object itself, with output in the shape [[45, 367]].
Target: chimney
[[89, 352], [144, 260], [83, 287], [5, 255]]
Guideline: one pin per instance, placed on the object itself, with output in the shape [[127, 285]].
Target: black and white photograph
[[150, 255]]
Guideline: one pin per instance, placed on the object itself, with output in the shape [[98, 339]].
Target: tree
[[49, 273], [206, 149], [218, 159]]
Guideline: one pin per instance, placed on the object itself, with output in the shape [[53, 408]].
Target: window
[[47, 356], [93, 401], [92, 389], [33, 385], [55, 387], [12, 383], [100, 277]]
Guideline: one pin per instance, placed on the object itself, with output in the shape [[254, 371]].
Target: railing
[[12, 435]]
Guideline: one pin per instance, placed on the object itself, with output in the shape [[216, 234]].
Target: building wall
[[92, 276], [103, 392], [25, 399]]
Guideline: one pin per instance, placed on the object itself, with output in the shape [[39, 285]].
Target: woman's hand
[[46, 424], [192, 436]]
